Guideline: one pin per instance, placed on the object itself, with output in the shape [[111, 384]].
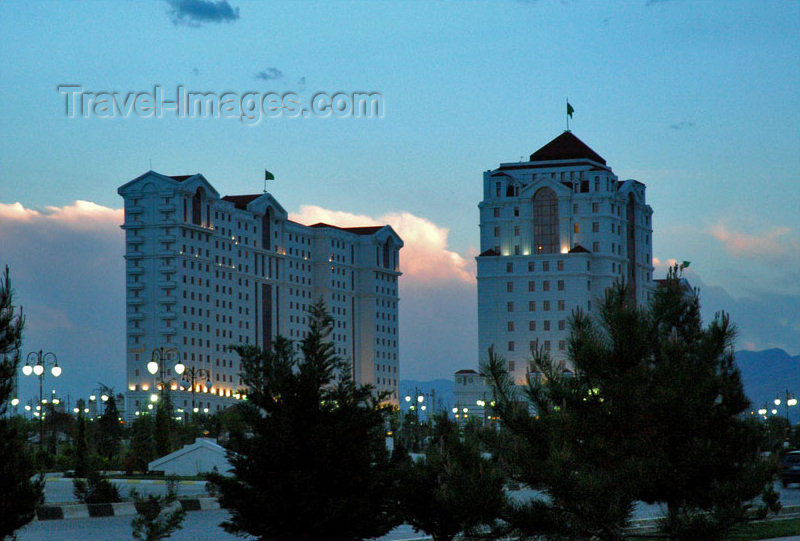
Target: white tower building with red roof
[[556, 231]]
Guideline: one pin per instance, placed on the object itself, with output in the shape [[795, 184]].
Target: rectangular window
[[497, 189], [595, 207], [510, 348], [560, 265], [546, 285], [510, 326], [574, 208], [531, 325], [510, 306], [516, 211], [531, 266], [596, 247], [595, 227], [531, 285], [516, 249], [547, 325], [561, 285], [562, 324], [561, 306], [562, 345], [533, 345], [531, 306], [497, 231], [511, 363], [509, 267], [496, 212], [546, 305], [576, 228], [516, 231], [510, 287], [545, 266], [547, 345]]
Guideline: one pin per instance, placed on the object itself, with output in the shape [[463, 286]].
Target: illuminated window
[[545, 221]]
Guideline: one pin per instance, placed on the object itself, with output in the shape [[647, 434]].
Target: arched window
[[545, 221]]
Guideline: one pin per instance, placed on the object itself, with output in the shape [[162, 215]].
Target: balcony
[[167, 253], [168, 315], [167, 238], [167, 300], [167, 284], [135, 286], [168, 269], [135, 270], [135, 332], [167, 331], [134, 210], [136, 316], [135, 301], [166, 208]]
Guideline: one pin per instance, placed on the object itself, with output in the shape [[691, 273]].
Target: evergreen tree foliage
[[157, 516], [19, 494], [163, 426], [110, 429], [142, 450], [453, 489], [313, 465], [651, 412], [81, 456], [96, 488]]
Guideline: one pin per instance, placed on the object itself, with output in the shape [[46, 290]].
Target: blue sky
[[699, 100]]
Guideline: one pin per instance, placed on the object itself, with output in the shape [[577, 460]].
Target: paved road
[[202, 525], [59, 490], [198, 526]]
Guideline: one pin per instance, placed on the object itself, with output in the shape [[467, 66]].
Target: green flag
[[685, 264], [268, 175], [570, 110]]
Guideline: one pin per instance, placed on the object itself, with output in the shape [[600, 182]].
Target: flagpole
[[567, 113]]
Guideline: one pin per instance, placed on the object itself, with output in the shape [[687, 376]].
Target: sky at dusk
[[700, 100]]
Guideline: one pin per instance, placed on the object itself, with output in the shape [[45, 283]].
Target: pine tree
[[142, 446], [157, 517], [163, 426], [19, 494], [81, 458], [452, 489], [110, 429], [651, 412], [315, 465]]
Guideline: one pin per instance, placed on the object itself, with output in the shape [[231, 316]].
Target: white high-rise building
[[204, 273], [556, 232]]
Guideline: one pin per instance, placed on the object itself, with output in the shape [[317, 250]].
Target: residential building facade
[[556, 231], [205, 273]]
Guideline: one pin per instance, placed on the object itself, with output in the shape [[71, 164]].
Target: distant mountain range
[[770, 373], [765, 375]]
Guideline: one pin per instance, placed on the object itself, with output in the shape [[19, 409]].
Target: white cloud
[[78, 215], [425, 256]]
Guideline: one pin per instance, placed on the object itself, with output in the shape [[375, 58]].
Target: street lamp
[[191, 376], [157, 364], [42, 361]]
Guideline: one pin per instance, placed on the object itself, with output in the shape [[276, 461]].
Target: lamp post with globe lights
[[190, 378], [157, 363], [36, 363]]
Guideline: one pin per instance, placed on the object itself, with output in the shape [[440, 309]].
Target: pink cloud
[[425, 256], [78, 215], [776, 242]]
